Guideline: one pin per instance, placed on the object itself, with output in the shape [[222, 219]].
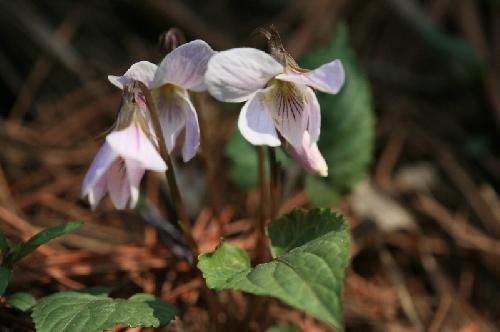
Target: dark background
[[425, 222]]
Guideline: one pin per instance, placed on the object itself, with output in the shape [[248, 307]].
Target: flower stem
[[214, 306], [170, 173], [274, 184], [263, 254]]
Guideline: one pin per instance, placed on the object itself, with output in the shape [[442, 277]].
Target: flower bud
[[171, 39]]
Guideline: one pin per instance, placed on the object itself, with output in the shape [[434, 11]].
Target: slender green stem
[[274, 184], [262, 244], [170, 173], [259, 304], [211, 298]]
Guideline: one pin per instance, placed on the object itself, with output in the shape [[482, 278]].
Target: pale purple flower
[[280, 103], [143, 71], [126, 154], [181, 70]]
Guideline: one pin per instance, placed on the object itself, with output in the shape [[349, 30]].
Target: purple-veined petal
[[288, 109], [185, 66], [192, 129], [313, 109], [255, 121], [236, 74], [118, 184], [170, 106], [328, 78], [135, 171], [132, 143], [103, 159], [309, 156], [143, 71]]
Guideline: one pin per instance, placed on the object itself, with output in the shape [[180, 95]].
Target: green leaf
[[4, 244], [310, 250], [4, 278], [21, 301], [223, 263], [300, 227], [81, 312], [26, 248], [347, 123], [163, 311]]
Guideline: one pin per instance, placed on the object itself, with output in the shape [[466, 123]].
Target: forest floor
[[425, 222]]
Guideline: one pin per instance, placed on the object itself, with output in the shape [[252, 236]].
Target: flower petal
[[288, 109], [192, 132], [255, 121], [118, 184], [143, 71], [132, 143], [234, 75], [185, 66], [103, 159], [328, 78], [309, 156], [134, 172], [97, 191], [170, 105], [313, 109]]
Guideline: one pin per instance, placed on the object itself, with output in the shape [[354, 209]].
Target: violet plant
[[302, 255], [280, 104]]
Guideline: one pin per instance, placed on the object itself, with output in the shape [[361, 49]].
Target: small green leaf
[[4, 244], [347, 123], [4, 278], [142, 297], [163, 311], [21, 301], [81, 312], [299, 227], [310, 250], [26, 248], [220, 265]]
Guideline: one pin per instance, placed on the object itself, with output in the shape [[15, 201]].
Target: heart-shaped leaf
[[161, 310], [81, 312], [310, 250]]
